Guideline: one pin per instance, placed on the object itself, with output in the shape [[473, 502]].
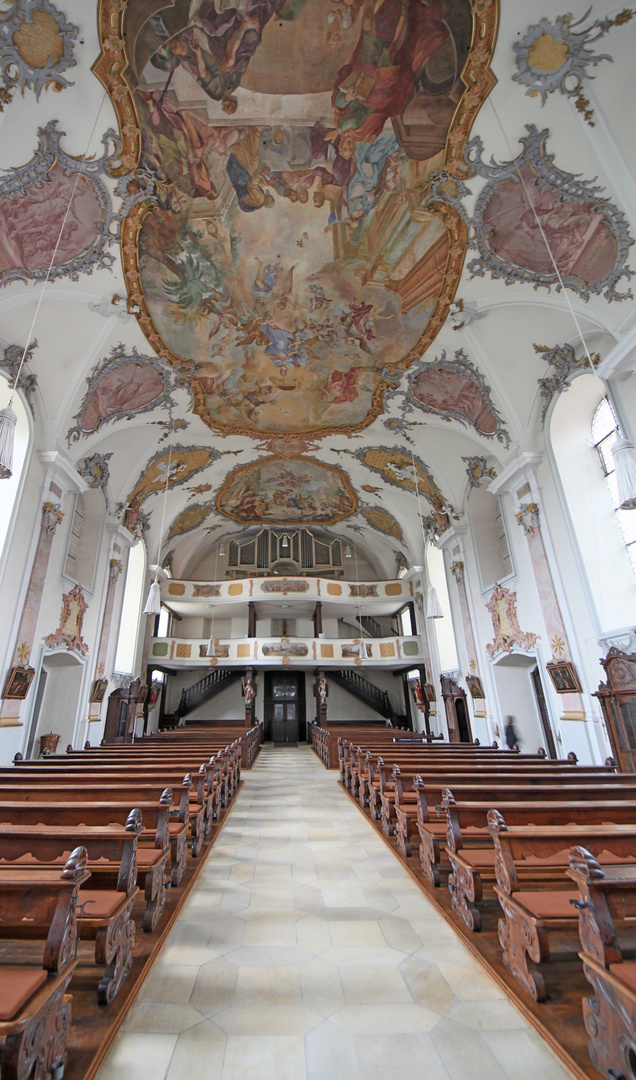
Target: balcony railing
[[268, 588], [273, 651]]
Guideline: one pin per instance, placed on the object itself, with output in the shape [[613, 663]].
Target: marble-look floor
[[306, 952]]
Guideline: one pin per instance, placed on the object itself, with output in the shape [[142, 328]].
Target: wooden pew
[[191, 810], [35, 1010], [104, 911], [152, 858], [534, 891], [127, 794], [607, 910]]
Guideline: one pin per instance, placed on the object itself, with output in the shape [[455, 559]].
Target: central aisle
[[306, 952]]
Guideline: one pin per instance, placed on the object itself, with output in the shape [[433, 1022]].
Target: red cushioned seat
[[98, 904], [175, 827], [148, 856], [478, 857], [626, 972], [549, 905], [17, 986]]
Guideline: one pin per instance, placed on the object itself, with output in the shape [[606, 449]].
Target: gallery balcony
[[390, 652]]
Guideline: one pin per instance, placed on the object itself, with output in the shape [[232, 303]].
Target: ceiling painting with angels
[[288, 252]]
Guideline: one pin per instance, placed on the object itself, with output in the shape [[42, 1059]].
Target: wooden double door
[[284, 706]]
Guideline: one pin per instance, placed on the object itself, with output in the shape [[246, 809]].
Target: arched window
[[131, 610], [582, 429], [605, 431], [10, 488]]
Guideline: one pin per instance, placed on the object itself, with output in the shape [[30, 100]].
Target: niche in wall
[[489, 533]]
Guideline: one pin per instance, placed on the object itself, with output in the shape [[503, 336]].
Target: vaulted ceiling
[[309, 261]]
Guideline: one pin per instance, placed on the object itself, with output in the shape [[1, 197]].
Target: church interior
[[317, 540]]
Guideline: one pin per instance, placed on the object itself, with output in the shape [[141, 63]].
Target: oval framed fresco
[[287, 491], [294, 260]]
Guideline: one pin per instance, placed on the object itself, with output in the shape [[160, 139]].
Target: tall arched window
[[10, 488], [605, 431], [581, 429], [131, 610]]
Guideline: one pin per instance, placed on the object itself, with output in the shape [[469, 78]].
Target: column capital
[[454, 535]]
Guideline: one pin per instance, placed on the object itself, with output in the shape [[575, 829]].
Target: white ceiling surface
[[72, 338]]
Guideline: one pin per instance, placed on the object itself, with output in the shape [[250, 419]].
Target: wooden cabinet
[[456, 711], [120, 716], [618, 702]]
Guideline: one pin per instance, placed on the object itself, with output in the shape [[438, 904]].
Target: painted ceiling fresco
[[287, 491], [288, 252]]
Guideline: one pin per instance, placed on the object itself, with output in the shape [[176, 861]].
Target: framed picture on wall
[[429, 691], [19, 680], [473, 682], [144, 690], [99, 689], [564, 677]]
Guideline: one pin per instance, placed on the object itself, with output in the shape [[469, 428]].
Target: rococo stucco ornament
[[10, 363], [553, 56], [503, 611], [457, 570], [530, 203], [45, 207], [477, 470], [565, 363], [528, 517], [51, 517], [69, 632], [94, 469], [454, 390], [36, 46]]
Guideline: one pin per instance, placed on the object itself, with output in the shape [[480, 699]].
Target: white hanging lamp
[[624, 456], [433, 607], [153, 601]]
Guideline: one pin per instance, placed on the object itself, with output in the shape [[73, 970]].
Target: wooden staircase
[[205, 689], [364, 691]]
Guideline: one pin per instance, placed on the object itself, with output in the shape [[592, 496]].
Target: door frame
[[299, 701]]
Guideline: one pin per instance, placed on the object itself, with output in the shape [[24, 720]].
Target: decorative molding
[[169, 468], [95, 470], [36, 46], [115, 568], [503, 612], [552, 56], [565, 363], [289, 495], [457, 570], [456, 390], [524, 467], [69, 632], [463, 313], [35, 184], [10, 362], [61, 471], [558, 195], [529, 518], [127, 384], [381, 520], [477, 469]]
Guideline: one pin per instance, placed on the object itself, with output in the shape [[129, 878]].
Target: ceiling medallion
[[292, 262]]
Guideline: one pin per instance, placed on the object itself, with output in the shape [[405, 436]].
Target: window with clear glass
[[605, 431]]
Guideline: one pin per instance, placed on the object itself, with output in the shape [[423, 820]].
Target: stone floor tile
[[214, 987], [383, 1056], [374, 985], [522, 1053], [171, 983], [160, 1017], [466, 1055], [332, 1054], [198, 1052], [273, 1057], [385, 1019], [266, 1020], [268, 986], [124, 1062], [321, 987]]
